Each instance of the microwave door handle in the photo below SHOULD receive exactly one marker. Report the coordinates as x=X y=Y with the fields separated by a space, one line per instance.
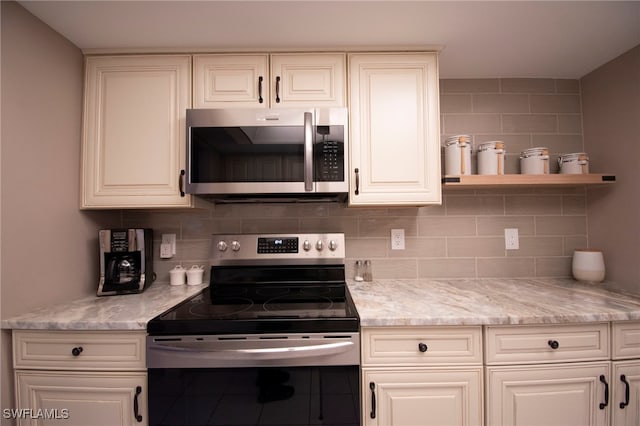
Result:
x=308 y=152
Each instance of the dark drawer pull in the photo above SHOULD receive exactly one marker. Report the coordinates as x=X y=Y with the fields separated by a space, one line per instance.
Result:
x=553 y=344
x=372 y=386
x=136 y=409
x=604 y=404
x=422 y=347
x=76 y=351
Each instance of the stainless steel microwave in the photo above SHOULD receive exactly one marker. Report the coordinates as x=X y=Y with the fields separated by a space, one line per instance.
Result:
x=240 y=154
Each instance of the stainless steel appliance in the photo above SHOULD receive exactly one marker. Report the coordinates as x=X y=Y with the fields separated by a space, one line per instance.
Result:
x=273 y=340
x=284 y=153
x=126 y=260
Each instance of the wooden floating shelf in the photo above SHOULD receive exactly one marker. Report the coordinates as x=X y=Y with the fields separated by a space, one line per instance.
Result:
x=521 y=181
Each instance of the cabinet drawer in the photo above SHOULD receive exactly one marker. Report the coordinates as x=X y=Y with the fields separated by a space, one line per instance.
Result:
x=626 y=339
x=548 y=343
x=78 y=350
x=421 y=345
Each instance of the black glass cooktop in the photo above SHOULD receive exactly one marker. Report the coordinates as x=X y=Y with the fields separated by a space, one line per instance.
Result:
x=261 y=304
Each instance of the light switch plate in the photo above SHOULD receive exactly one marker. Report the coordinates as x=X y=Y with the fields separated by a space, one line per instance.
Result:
x=168 y=246
x=511 y=240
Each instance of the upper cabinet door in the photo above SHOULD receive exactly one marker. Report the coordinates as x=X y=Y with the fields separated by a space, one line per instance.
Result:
x=134 y=131
x=241 y=81
x=229 y=81
x=395 y=129
x=315 y=79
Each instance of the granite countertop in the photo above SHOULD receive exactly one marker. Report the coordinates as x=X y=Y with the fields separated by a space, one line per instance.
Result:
x=122 y=312
x=489 y=301
x=379 y=303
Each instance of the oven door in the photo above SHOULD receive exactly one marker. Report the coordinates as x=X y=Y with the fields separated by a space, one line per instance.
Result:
x=254 y=380
x=263 y=151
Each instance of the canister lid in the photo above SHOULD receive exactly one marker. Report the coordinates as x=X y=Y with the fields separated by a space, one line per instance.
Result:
x=574 y=156
x=491 y=145
x=458 y=139
x=534 y=152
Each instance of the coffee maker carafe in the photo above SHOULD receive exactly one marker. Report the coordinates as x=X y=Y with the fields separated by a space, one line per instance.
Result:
x=126 y=260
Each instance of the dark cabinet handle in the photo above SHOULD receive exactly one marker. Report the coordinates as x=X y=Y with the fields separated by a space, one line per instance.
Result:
x=136 y=414
x=603 y=380
x=278 y=89
x=357 y=181
x=181 y=183
x=372 y=386
x=76 y=351
x=623 y=379
x=553 y=344
x=422 y=347
x=260 y=100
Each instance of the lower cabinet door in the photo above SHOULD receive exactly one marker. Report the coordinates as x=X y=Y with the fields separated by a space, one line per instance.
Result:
x=625 y=402
x=424 y=397
x=81 y=398
x=555 y=395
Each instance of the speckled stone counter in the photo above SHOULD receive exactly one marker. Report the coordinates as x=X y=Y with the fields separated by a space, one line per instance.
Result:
x=123 y=312
x=489 y=301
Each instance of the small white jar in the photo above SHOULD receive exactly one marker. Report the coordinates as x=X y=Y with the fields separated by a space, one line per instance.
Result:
x=588 y=265
x=534 y=161
x=177 y=275
x=576 y=163
x=195 y=275
x=457 y=155
x=491 y=158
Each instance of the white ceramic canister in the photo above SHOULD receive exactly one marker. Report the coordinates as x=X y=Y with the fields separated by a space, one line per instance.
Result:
x=534 y=161
x=491 y=158
x=195 y=275
x=576 y=163
x=457 y=155
x=588 y=265
x=177 y=275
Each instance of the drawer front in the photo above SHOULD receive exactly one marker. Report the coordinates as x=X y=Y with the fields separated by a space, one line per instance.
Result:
x=548 y=343
x=626 y=340
x=421 y=345
x=79 y=350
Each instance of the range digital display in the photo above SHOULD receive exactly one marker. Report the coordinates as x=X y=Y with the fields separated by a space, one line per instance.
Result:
x=277 y=245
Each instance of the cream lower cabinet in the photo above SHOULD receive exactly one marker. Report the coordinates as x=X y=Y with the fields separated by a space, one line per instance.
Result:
x=134 y=131
x=422 y=376
x=625 y=400
x=548 y=375
x=80 y=378
x=394 y=129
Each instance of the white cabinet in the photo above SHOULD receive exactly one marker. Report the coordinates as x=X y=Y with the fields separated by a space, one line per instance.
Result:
x=80 y=377
x=133 y=141
x=548 y=375
x=395 y=130
x=263 y=80
x=428 y=376
x=625 y=400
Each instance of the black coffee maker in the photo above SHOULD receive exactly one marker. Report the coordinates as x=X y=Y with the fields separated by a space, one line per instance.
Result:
x=126 y=260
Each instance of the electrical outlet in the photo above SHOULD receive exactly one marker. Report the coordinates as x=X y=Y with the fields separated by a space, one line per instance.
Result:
x=511 y=241
x=397 y=239
x=168 y=246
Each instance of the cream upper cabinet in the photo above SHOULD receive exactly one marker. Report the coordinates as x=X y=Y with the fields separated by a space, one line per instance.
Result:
x=134 y=131
x=263 y=80
x=625 y=377
x=395 y=130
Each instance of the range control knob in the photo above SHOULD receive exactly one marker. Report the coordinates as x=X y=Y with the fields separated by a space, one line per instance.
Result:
x=319 y=245
x=306 y=245
x=333 y=245
x=235 y=246
x=222 y=246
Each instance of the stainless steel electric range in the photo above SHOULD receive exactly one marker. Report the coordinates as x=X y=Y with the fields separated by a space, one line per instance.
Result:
x=273 y=340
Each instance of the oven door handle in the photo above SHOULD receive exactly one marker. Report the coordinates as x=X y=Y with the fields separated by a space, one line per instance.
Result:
x=256 y=353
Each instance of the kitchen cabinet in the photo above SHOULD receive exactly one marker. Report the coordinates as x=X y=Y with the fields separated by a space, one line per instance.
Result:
x=269 y=80
x=556 y=374
x=422 y=376
x=395 y=130
x=81 y=377
x=133 y=140
x=625 y=398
